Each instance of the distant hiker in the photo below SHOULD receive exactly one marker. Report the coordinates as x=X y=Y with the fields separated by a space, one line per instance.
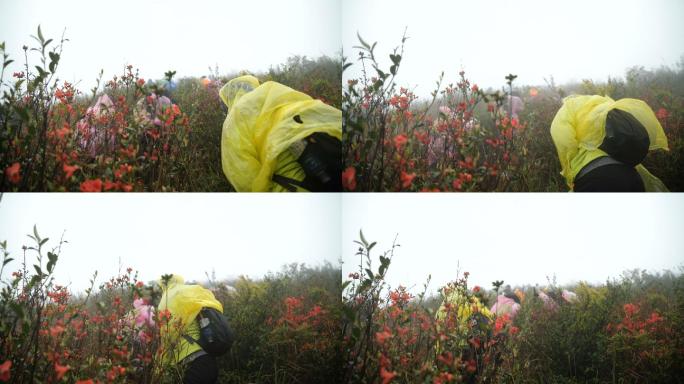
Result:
x=463 y=313
x=278 y=139
x=602 y=142
x=94 y=133
x=505 y=305
x=514 y=105
x=197 y=331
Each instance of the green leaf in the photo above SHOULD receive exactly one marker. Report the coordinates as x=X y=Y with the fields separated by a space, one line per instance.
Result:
x=54 y=60
x=39 y=271
x=346 y=66
x=45 y=44
x=23 y=113
x=365 y=284
x=393 y=70
x=366 y=45
x=345 y=284
x=35 y=230
x=7 y=261
x=372 y=245
x=17 y=309
x=43 y=241
x=363 y=239
x=8 y=62
x=40 y=34
x=52 y=260
x=370 y=273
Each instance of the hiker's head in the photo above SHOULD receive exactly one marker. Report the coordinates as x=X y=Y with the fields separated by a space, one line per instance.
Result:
x=236 y=88
x=626 y=138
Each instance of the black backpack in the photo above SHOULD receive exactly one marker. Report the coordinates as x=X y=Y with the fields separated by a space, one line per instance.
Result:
x=626 y=138
x=216 y=336
x=320 y=155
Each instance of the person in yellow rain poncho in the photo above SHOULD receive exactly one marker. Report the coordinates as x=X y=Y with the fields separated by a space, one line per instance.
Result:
x=602 y=142
x=278 y=139
x=183 y=303
x=460 y=318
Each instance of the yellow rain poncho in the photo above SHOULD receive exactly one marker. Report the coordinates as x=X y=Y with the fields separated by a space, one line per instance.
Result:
x=455 y=313
x=580 y=127
x=184 y=303
x=263 y=122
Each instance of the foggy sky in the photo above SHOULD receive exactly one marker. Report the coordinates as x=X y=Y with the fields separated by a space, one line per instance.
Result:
x=161 y=35
x=534 y=39
x=515 y=237
x=189 y=234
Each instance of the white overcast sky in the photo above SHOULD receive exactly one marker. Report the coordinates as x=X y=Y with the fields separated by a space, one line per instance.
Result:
x=518 y=238
x=187 y=36
x=569 y=40
x=189 y=234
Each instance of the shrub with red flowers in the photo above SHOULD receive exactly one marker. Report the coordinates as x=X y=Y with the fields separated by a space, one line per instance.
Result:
x=50 y=335
x=286 y=326
x=465 y=138
x=130 y=134
x=393 y=336
x=121 y=138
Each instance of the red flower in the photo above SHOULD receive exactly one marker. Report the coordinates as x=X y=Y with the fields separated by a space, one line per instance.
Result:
x=88 y=381
x=61 y=370
x=5 y=370
x=13 y=173
x=471 y=366
x=631 y=309
x=108 y=185
x=56 y=330
x=407 y=179
x=457 y=184
x=662 y=114
x=69 y=170
x=476 y=289
x=94 y=185
x=400 y=140
x=514 y=330
x=141 y=82
x=380 y=337
x=386 y=375
x=349 y=179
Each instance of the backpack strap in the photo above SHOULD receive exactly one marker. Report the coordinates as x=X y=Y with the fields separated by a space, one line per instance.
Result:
x=597 y=163
x=291 y=184
x=189 y=339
